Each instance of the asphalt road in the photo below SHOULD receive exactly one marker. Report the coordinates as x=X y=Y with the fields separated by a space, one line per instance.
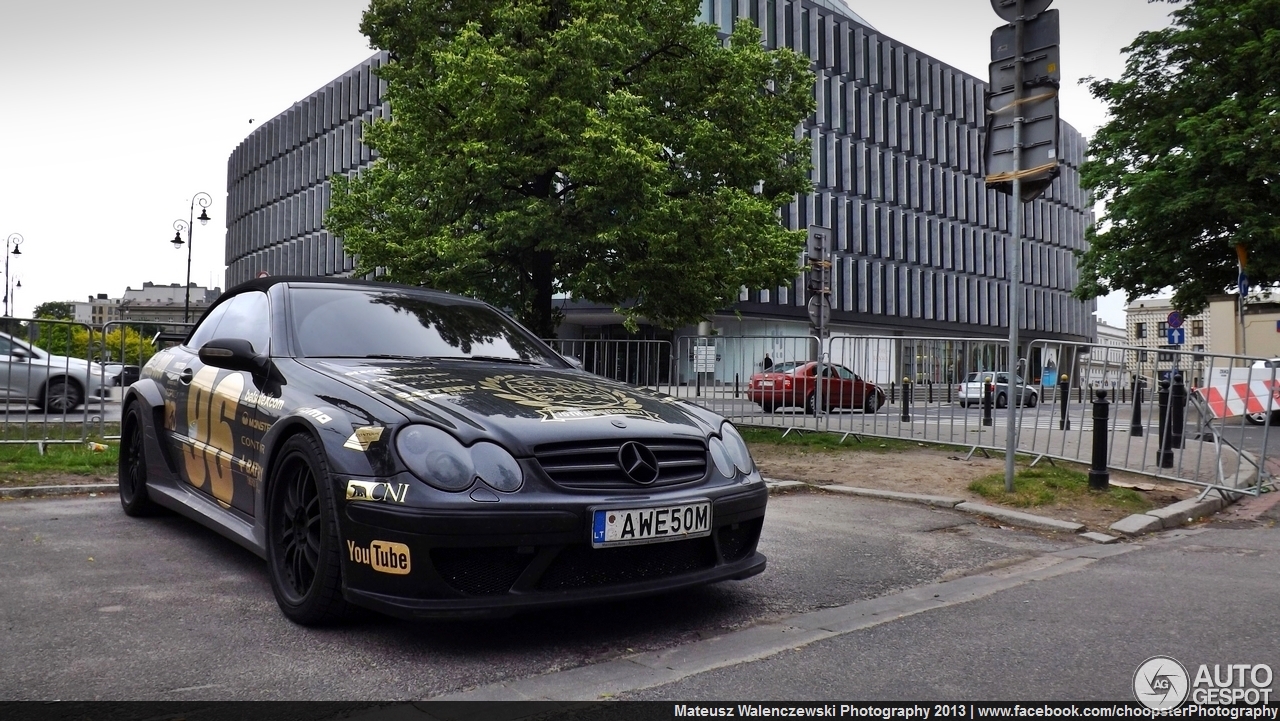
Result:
x=96 y=605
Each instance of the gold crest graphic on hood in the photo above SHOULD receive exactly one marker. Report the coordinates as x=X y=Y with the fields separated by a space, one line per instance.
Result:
x=560 y=399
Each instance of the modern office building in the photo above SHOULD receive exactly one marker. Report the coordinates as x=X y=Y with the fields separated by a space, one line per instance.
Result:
x=897 y=139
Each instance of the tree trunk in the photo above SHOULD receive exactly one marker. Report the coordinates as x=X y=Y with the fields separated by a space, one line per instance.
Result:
x=541 y=316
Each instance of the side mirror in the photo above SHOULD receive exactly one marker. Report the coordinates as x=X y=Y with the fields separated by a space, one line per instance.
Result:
x=235 y=354
x=19 y=355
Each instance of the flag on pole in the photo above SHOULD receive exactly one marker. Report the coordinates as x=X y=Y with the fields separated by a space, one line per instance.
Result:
x=1242 y=280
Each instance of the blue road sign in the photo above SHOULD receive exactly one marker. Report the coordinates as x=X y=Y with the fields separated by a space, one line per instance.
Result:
x=1174 y=320
x=1176 y=336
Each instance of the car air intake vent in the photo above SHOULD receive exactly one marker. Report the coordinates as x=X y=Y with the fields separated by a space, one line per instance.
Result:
x=738 y=540
x=580 y=566
x=480 y=571
x=597 y=465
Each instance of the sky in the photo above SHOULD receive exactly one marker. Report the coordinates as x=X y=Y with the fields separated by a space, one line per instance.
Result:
x=117 y=113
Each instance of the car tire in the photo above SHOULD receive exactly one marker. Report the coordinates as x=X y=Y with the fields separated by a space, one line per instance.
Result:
x=1258 y=419
x=1032 y=400
x=61 y=395
x=132 y=468
x=302 y=535
x=1001 y=401
x=870 y=404
x=767 y=407
x=811 y=403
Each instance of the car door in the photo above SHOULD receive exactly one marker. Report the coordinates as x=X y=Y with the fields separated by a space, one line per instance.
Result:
x=217 y=417
x=843 y=387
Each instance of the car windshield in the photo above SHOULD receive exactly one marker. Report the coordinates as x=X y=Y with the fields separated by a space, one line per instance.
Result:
x=374 y=323
x=787 y=367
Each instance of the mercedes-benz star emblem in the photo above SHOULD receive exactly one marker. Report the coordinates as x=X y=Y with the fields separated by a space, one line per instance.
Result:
x=638 y=462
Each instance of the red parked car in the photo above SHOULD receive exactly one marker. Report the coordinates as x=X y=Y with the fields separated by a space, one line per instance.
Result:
x=795 y=384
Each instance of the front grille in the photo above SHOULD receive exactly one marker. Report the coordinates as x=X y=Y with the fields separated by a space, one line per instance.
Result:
x=581 y=566
x=738 y=540
x=480 y=571
x=593 y=465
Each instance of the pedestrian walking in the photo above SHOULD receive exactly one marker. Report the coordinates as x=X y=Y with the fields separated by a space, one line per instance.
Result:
x=767 y=363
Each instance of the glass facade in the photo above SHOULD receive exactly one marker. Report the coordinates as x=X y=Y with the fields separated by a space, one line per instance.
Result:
x=896 y=140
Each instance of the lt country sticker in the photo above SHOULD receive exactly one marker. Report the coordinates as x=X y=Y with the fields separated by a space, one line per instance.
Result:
x=382 y=556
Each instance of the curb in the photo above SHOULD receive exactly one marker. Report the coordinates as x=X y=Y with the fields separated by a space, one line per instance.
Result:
x=48 y=491
x=1157 y=519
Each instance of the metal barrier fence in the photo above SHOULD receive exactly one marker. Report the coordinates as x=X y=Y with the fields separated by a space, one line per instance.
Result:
x=64 y=379
x=638 y=362
x=50 y=395
x=954 y=391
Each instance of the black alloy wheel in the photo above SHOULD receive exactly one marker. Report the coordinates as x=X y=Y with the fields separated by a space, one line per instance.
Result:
x=869 y=403
x=302 y=536
x=132 y=469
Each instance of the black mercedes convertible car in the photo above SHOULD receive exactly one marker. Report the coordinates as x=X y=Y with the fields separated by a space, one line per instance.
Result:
x=422 y=455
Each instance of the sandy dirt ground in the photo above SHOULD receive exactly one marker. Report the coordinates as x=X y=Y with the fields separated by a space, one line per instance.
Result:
x=944 y=473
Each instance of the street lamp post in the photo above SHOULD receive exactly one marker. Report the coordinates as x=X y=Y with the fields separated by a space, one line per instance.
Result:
x=12 y=242
x=204 y=200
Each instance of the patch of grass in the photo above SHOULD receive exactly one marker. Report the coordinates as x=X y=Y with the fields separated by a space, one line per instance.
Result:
x=1049 y=485
x=826 y=441
x=23 y=465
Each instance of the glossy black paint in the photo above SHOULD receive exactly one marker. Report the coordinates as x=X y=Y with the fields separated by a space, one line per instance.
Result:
x=212 y=428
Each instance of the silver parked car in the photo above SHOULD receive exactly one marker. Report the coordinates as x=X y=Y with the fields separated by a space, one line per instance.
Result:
x=1268 y=370
x=55 y=383
x=970 y=391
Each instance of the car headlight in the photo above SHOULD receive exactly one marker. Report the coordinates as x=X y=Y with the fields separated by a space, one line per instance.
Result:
x=441 y=461
x=720 y=456
x=496 y=466
x=436 y=457
x=737 y=448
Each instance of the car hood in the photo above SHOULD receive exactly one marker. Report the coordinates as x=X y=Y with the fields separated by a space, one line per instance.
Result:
x=531 y=404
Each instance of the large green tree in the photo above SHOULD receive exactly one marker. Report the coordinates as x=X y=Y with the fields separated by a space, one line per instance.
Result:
x=1188 y=163
x=616 y=150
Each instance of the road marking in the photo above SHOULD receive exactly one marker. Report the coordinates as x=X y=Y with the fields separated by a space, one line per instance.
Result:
x=656 y=668
x=194 y=688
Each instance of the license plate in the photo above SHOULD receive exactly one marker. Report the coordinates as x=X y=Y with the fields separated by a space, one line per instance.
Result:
x=629 y=526
x=766 y=384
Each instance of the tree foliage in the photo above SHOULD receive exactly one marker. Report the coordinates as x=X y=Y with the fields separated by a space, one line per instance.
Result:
x=616 y=150
x=1189 y=162
x=60 y=310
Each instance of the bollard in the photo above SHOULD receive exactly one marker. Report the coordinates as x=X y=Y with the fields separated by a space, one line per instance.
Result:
x=893 y=393
x=950 y=387
x=1064 y=392
x=1164 y=453
x=1099 y=476
x=988 y=392
x=1135 y=424
x=735 y=385
x=929 y=388
x=906 y=400
x=1177 y=411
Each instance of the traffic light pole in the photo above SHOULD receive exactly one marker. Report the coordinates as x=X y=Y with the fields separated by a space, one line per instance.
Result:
x=1015 y=254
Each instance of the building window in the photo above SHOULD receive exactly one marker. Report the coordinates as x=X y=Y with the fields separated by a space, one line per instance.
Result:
x=1165 y=356
x=1162 y=329
x=1140 y=331
x=1142 y=355
x=1197 y=328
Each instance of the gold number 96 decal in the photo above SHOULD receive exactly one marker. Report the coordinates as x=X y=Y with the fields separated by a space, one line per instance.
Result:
x=211 y=409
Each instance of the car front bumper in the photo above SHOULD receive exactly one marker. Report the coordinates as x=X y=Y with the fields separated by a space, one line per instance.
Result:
x=493 y=563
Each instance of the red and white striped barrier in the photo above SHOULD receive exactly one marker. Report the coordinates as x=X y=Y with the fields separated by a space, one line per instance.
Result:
x=1237 y=391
